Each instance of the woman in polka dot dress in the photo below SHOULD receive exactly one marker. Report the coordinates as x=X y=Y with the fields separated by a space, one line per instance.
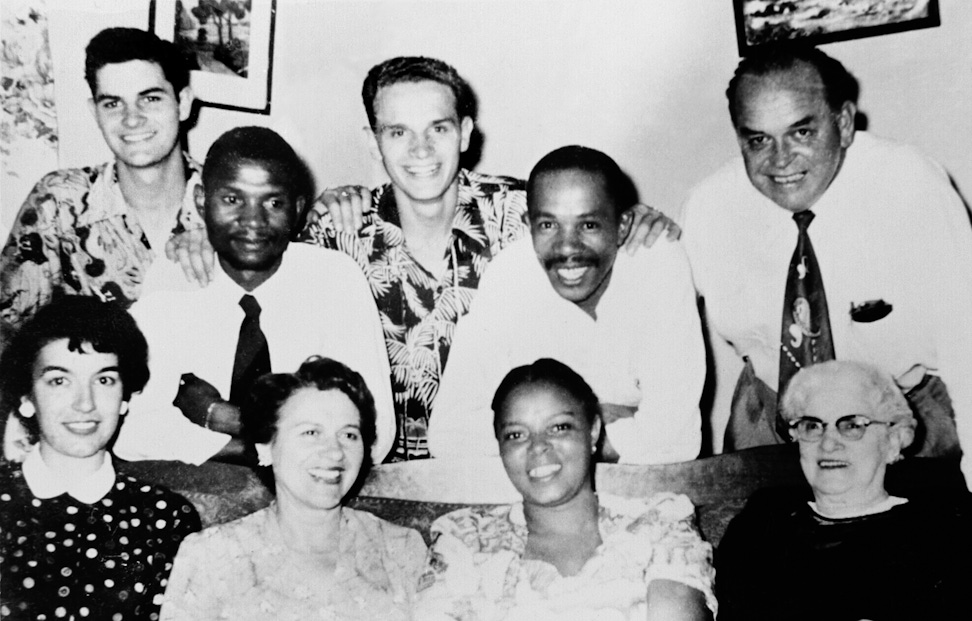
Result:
x=78 y=540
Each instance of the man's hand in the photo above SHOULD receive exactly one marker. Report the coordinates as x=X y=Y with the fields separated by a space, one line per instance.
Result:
x=200 y=402
x=194 y=254
x=611 y=412
x=194 y=398
x=346 y=204
x=647 y=225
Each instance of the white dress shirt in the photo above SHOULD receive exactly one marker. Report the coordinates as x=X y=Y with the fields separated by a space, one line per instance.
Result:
x=890 y=227
x=316 y=303
x=644 y=351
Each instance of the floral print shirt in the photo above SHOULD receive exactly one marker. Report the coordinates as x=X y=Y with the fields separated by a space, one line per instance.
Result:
x=476 y=570
x=418 y=311
x=76 y=235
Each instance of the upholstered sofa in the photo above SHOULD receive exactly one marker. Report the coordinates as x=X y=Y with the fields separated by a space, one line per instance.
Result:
x=414 y=494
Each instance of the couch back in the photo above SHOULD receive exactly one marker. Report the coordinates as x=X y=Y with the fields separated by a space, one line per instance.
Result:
x=413 y=494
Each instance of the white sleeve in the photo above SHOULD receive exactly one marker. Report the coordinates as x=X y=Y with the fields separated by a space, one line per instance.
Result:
x=671 y=368
x=153 y=427
x=369 y=357
x=947 y=288
x=461 y=424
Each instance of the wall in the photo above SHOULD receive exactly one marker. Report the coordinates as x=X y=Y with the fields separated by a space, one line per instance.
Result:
x=642 y=80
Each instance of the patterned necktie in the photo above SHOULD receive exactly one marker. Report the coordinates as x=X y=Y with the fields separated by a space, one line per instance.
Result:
x=806 y=337
x=252 y=352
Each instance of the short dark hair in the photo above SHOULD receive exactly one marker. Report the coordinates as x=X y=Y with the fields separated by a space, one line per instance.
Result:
x=617 y=184
x=839 y=85
x=120 y=45
x=545 y=371
x=259 y=414
x=417 y=69
x=261 y=145
x=82 y=320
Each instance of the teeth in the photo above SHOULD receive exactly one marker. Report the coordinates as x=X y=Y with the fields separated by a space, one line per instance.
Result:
x=788 y=178
x=544 y=471
x=423 y=171
x=81 y=426
x=136 y=137
x=827 y=463
x=330 y=475
x=571 y=273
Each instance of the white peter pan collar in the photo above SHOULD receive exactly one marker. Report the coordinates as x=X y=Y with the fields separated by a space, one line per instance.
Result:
x=44 y=484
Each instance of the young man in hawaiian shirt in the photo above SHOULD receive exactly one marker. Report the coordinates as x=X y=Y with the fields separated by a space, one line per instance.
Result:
x=95 y=230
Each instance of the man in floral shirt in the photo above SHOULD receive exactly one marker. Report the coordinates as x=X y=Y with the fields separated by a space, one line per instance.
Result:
x=431 y=232
x=95 y=230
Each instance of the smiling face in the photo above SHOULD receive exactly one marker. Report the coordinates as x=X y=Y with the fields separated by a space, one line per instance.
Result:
x=249 y=213
x=77 y=396
x=792 y=143
x=576 y=234
x=847 y=474
x=545 y=442
x=139 y=113
x=317 y=450
x=419 y=137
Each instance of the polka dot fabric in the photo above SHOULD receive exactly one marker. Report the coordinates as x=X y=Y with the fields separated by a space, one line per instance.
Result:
x=108 y=561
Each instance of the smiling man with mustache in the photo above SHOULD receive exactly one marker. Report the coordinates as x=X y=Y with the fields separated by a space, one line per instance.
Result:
x=309 y=301
x=628 y=324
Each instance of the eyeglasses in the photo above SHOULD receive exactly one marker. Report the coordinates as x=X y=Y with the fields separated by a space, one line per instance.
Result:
x=851 y=427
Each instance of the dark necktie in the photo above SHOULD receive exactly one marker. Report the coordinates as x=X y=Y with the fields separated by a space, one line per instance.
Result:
x=252 y=353
x=806 y=337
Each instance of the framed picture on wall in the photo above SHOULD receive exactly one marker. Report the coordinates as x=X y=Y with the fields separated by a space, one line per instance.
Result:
x=759 y=22
x=231 y=42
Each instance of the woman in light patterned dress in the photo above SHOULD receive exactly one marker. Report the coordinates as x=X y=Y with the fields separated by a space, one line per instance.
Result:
x=306 y=556
x=564 y=552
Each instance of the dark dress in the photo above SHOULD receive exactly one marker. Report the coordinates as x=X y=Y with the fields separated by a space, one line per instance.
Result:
x=61 y=558
x=781 y=560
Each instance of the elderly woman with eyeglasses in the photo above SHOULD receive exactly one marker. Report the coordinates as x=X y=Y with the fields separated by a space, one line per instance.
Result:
x=849 y=550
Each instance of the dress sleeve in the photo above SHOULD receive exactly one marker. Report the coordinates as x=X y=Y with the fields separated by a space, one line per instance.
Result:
x=676 y=550
x=449 y=586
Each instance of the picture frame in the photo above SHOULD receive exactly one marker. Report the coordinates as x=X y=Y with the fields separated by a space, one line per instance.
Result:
x=759 y=22
x=232 y=43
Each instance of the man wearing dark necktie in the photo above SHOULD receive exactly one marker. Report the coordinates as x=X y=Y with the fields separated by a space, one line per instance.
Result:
x=271 y=305
x=887 y=278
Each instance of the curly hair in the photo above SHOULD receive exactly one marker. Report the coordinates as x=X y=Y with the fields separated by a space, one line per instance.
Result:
x=259 y=417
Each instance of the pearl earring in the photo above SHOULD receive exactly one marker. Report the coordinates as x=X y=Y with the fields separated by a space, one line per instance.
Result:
x=26 y=407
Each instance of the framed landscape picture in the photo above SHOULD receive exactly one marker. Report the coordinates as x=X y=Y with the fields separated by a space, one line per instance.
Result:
x=759 y=22
x=231 y=42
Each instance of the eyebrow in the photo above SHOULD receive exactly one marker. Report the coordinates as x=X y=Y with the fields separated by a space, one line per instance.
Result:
x=383 y=127
x=149 y=91
x=807 y=120
x=54 y=367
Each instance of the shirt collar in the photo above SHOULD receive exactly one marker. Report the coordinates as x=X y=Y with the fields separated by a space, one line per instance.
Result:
x=466 y=216
x=105 y=199
x=44 y=484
